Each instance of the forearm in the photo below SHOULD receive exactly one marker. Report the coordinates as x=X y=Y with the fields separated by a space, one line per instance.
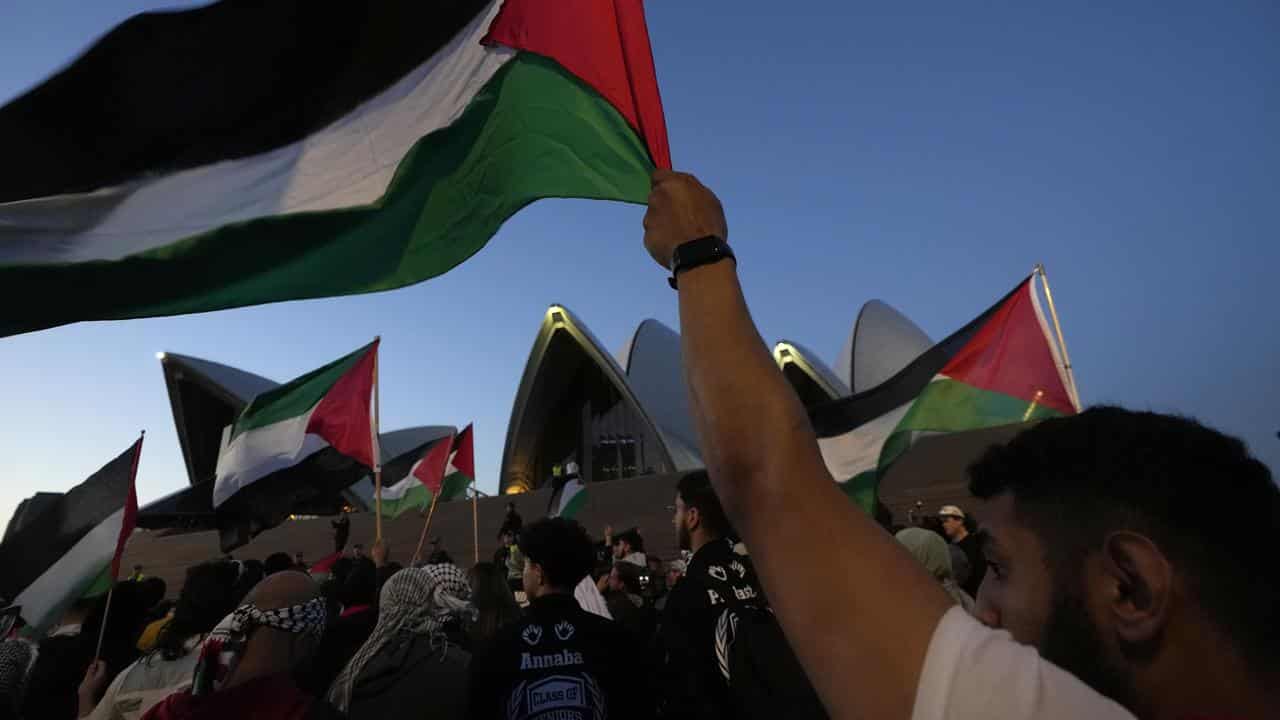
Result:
x=861 y=622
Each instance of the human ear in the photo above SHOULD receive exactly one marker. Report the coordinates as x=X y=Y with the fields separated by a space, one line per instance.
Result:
x=1140 y=585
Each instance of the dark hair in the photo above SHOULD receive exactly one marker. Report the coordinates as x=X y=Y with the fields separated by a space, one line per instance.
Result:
x=494 y=603
x=207 y=596
x=629 y=574
x=632 y=538
x=278 y=562
x=695 y=491
x=361 y=585
x=561 y=547
x=1211 y=508
x=251 y=573
x=440 y=557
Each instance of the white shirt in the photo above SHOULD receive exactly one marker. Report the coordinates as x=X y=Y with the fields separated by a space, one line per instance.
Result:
x=972 y=672
x=590 y=599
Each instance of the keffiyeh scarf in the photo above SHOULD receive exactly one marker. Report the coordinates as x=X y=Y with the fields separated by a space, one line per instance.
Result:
x=222 y=649
x=421 y=601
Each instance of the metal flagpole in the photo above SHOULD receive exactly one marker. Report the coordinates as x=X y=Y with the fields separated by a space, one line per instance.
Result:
x=425 y=527
x=1062 y=341
x=373 y=444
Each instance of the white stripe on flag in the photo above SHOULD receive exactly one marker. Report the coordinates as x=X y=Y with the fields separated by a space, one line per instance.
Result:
x=45 y=599
x=256 y=453
x=858 y=450
x=347 y=164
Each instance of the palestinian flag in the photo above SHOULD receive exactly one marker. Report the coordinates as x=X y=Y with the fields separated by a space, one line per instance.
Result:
x=573 y=497
x=460 y=471
x=327 y=408
x=72 y=550
x=418 y=471
x=1001 y=368
x=244 y=153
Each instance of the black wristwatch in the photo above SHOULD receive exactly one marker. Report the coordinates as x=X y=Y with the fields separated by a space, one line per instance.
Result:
x=696 y=253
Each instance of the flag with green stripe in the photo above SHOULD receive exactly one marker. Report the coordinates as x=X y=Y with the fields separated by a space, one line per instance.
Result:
x=328 y=407
x=418 y=471
x=1001 y=368
x=73 y=548
x=259 y=152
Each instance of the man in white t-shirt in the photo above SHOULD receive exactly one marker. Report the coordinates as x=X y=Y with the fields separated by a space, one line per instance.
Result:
x=1167 y=637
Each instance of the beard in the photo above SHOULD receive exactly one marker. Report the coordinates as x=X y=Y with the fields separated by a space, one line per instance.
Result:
x=1073 y=642
x=684 y=539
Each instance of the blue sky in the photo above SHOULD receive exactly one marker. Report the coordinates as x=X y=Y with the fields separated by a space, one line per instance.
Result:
x=927 y=154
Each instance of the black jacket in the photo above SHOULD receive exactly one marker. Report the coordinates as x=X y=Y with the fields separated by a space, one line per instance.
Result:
x=692 y=685
x=559 y=661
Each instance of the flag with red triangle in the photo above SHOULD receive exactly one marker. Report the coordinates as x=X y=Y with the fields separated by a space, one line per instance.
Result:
x=1001 y=368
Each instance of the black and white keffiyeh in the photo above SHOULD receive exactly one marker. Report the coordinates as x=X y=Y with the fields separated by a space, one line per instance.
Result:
x=221 y=650
x=421 y=601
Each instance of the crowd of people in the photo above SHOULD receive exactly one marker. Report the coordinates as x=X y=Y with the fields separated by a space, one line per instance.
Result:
x=1111 y=576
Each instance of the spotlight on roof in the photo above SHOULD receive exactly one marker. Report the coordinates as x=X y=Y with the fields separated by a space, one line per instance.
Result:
x=160 y=355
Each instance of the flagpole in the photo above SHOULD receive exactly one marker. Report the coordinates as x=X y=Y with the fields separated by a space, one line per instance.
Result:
x=475 y=519
x=102 y=631
x=425 y=527
x=373 y=445
x=1062 y=341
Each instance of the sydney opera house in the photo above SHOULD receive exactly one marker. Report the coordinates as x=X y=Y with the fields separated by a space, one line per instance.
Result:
x=623 y=418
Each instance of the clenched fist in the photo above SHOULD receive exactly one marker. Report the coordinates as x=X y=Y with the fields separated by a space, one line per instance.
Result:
x=680 y=209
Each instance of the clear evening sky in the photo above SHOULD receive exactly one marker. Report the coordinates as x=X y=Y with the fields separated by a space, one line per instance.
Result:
x=928 y=154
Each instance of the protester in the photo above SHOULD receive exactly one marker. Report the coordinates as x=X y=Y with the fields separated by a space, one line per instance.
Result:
x=512 y=523
x=245 y=666
x=675 y=571
x=341 y=531
x=956 y=526
x=558 y=660
x=1107 y=554
x=959 y=561
x=137 y=573
x=208 y=595
x=623 y=597
x=693 y=628
x=358 y=596
x=413 y=658
x=629 y=548
x=515 y=565
x=495 y=606
x=897 y=646
x=930 y=550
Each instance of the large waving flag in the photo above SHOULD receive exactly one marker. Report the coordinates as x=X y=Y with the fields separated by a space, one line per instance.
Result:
x=419 y=475
x=1001 y=368
x=327 y=407
x=244 y=153
x=72 y=550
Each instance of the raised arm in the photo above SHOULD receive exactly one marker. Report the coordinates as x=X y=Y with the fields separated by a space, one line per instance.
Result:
x=860 y=619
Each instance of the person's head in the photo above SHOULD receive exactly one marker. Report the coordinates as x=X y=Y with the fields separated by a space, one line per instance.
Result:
x=508 y=538
x=207 y=595
x=675 y=571
x=137 y=569
x=361 y=584
x=557 y=555
x=491 y=596
x=952 y=520
x=1128 y=547
x=625 y=577
x=699 y=518
x=278 y=642
x=929 y=549
x=655 y=564
x=277 y=562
